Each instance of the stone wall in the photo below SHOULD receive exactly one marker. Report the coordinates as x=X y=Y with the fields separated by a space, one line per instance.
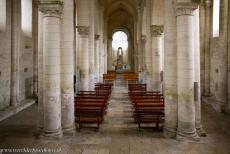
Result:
x=5 y=60
x=24 y=48
x=218 y=61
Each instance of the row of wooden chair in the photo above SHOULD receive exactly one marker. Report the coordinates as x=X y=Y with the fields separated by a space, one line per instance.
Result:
x=130 y=77
x=148 y=106
x=91 y=106
x=109 y=77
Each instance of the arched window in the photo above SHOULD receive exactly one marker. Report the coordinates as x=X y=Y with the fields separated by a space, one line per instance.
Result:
x=26 y=22
x=120 y=50
x=2 y=15
x=120 y=40
x=216 y=18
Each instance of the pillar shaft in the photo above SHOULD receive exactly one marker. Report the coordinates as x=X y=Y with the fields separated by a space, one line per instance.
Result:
x=91 y=7
x=51 y=63
x=83 y=43
x=16 y=28
x=97 y=60
x=207 y=47
x=67 y=68
x=156 y=32
x=101 y=47
x=185 y=72
x=109 y=55
x=170 y=71
x=40 y=73
x=35 y=47
x=148 y=53
x=197 y=92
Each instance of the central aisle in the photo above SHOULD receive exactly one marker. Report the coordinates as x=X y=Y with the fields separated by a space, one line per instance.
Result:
x=120 y=109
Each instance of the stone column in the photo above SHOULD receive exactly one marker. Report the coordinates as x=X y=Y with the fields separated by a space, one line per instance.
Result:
x=97 y=61
x=202 y=45
x=148 y=52
x=131 y=54
x=91 y=11
x=109 y=55
x=185 y=71
x=51 y=61
x=143 y=67
x=228 y=68
x=170 y=70
x=67 y=68
x=197 y=90
x=101 y=47
x=208 y=4
x=83 y=43
x=139 y=37
x=35 y=47
x=16 y=35
x=40 y=73
x=156 y=33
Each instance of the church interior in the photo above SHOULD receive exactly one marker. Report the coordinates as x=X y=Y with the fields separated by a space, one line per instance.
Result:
x=115 y=76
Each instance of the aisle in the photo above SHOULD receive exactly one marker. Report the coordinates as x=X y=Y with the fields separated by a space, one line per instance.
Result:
x=120 y=109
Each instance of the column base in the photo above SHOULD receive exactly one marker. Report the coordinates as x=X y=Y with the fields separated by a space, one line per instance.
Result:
x=70 y=131
x=51 y=135
x=201 y=132
x=39 y=132
x=169 y=133
x=187 y=137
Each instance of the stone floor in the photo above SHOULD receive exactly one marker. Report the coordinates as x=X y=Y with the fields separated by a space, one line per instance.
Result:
x=117 y=135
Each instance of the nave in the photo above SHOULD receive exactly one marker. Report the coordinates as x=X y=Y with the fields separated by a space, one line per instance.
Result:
x=118 y=133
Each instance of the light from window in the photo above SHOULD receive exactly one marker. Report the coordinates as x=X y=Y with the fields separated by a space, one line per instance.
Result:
x=216 y=20
x=26 y=10
x=2 y=15
x=120 y=40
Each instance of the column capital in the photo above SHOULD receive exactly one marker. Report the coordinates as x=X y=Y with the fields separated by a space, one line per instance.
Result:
x=83 y=30
x=185 y=8
x=156 y=30
x=51 y=8
x=96 y=36
x=143 y=38
x=208 y=3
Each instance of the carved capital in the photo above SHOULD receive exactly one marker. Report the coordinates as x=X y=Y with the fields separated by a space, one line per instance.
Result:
x=96 y=36
x=51 y=8
x=83 y=30
x=156 y=30
x=208 y=3
x=185 y=9
x=143 y=38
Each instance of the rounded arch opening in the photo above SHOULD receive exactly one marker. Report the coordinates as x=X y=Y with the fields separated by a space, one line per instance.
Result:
x=120 y=50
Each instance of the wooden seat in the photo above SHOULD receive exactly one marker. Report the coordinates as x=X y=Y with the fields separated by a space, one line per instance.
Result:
x=148 y=106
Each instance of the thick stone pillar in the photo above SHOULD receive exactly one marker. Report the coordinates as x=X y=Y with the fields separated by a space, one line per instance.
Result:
x=131 y=54
x=208 y=4
x=97 y=58
x=139 y=24
x=51 y=61
x=148 y=69
x=35 y=47
x=156 y=33
x=109 y=55
x=91 y=11
x=197 y=90
x=228 y=68
x=185 y=72
x=67 y=68
x=40 y=73
x=83 y=43
x=170 y=70
x=101 y=47
x=16 y=35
